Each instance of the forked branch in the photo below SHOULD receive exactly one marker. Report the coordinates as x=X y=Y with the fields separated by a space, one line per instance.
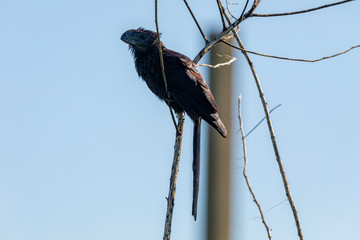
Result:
x=291 y=59
x=244 y=172
x=196 y=22
x=272 y=134
x=209 y=45
x=299 y=12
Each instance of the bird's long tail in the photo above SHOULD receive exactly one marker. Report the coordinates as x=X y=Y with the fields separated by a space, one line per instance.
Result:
x=196 y=165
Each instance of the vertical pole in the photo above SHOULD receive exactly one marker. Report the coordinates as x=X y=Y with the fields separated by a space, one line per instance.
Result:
x=219 y=150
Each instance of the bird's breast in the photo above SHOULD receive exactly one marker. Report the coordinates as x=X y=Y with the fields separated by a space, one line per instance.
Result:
x=149 y=70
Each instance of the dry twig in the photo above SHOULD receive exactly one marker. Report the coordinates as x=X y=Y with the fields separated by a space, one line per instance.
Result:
x=273 y=140
x=173 y=177
x=162 y=67
x=177 y=147
x=230 y=36
x=272 y=134
x=298 y=12
x=253 y=7
x=228 y=9
x=246 y=4
x=231 y=60
x=291 y=59
x=244 y=171
x=197 y=24
x=221 y=14
x=210 y=44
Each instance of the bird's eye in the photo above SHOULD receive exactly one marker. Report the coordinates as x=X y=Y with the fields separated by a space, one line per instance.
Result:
x=142 y=37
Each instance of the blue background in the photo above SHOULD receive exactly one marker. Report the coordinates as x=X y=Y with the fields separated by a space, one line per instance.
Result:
x=86 y=149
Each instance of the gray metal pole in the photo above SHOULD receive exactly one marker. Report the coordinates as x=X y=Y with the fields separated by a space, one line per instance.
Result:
x=219 y=150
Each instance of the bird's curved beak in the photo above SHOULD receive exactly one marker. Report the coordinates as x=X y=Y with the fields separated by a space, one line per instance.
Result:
x=128 y=37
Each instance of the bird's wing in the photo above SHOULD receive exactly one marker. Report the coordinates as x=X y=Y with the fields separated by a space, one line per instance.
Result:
x=188 y=87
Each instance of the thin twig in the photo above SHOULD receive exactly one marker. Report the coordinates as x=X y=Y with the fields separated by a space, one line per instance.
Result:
x=298 y=12
x=272 y=134
x=256 y=217
x=232 y=59
x=243 y=11
x=253 y=7
x=163 y=68
x=177 y=147
x=246 y=135
x=278 y=204
x=244 y=172
x=291 y=59
x=228 y=9
x=160 y=52
x=209 y=45
x=221 y=14
x=273 y=139
x=276 y=150
x=197 y=24
x=173 y=177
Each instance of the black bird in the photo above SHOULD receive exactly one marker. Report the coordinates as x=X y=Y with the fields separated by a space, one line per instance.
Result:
x=188 y=90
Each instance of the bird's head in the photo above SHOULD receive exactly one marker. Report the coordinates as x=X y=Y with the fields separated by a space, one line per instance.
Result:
x=140 y=39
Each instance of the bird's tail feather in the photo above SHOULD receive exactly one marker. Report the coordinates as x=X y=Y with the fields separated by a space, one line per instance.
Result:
x=221 y=128
x=196 y=165
x=216 y=123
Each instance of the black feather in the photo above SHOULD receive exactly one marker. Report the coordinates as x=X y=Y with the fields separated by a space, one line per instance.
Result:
x=196 y=165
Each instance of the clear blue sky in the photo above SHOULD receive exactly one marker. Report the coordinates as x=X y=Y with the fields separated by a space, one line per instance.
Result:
x=86 y=149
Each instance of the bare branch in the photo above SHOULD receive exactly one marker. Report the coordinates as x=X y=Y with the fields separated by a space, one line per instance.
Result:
x=232 y=59
x=253 y=7
x=272 y=134
x=173 y=177
x=209 y=45
x=221 y=14
x=244 y=172
x=177 y=148
x=292 y=59
x=197 y=24
x=162 y=67
x=273 y=139
x=228 y=9
x=246 y=4
x=298 y=12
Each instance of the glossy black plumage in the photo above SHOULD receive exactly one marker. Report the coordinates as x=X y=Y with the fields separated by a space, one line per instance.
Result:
x=188 y=90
